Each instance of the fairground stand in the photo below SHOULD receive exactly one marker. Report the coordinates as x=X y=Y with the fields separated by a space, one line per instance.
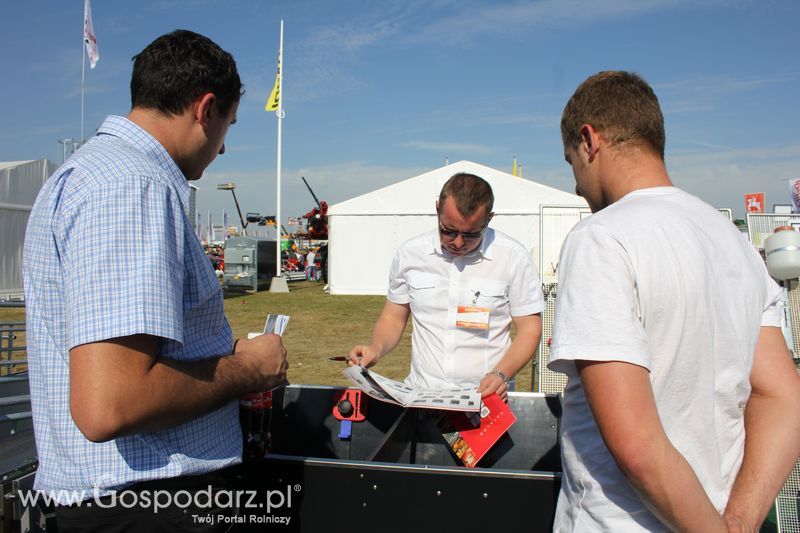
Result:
x=392 y=471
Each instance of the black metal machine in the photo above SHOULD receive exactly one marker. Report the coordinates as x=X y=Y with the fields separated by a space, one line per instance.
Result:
x=339 y=461
x=18 y=461
x=393 y=471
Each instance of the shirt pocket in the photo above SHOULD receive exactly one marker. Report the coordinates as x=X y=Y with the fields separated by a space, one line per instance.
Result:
x=483 y=292
x=203 y=306
x=422 y=286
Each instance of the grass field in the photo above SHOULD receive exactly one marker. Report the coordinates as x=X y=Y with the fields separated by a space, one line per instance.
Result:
x=321 y=325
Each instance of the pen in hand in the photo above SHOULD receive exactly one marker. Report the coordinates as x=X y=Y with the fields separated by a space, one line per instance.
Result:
x=341 y=358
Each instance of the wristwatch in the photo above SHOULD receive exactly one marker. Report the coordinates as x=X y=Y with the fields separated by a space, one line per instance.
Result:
x=501 y=374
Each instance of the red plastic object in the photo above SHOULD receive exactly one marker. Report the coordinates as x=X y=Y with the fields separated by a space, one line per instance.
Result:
x=358 y=402
x=257 y=400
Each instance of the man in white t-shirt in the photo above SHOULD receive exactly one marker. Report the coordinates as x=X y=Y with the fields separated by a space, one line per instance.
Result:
x=463 y=285
x=667 y=325
x=311 y=266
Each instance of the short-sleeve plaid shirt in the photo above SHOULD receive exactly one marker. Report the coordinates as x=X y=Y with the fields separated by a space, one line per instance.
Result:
x=109 y=252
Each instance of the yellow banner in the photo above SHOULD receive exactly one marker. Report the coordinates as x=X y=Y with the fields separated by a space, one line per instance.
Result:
x=275 y=95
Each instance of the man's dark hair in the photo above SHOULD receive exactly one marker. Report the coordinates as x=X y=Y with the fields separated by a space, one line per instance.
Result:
x=621 y=106
x=469 y=192
x=177 y=68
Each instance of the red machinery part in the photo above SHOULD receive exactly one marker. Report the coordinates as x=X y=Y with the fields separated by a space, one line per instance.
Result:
x=350 y=404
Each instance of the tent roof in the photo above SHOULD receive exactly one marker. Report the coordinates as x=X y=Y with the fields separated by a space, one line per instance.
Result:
x=417 y=195
x=10 y=164
x=20 y=181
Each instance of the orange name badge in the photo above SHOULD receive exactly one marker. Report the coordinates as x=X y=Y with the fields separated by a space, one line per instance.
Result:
x=469 y=317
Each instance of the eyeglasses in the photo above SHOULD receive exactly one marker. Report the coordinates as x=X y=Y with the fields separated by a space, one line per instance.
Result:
x=466 y=235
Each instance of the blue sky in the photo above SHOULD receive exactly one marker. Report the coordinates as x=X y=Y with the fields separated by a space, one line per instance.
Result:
x=379 y=91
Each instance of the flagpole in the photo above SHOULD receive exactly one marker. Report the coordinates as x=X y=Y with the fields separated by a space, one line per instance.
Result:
x=83 y=68
x=278 y=173
x=88 y=48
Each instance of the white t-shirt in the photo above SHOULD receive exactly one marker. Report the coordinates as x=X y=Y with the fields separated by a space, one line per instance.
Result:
x=662 y=280
x=498 y=278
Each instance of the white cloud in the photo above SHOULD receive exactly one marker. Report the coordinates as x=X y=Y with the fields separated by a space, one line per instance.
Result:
x=476 y=21
x=723 y=177
x=717 y=155
x=690 y=95
x=325 y=62
x=495 y=110
x=449 y=147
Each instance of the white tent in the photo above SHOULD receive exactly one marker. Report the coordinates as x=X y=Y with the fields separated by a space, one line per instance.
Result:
x=364 y=231
x=20 y=182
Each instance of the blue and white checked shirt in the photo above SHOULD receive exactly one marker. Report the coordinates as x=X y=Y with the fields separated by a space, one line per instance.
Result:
x=109 y=252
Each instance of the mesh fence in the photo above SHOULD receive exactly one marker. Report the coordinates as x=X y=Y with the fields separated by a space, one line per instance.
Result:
x=554 y=224
x=788 y=500
x=548 y=381
x=762 y=225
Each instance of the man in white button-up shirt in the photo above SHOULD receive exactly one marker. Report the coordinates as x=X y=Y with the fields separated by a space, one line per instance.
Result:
x=463 y=285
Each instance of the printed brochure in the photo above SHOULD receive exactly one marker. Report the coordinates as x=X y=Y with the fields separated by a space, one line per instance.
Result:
x=472 y=435
x=388 y=390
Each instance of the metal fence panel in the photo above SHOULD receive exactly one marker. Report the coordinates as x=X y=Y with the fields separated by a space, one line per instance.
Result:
x=555 y=222
x=762 y=225
x=548 y=381
x=759 y=227
x=788 y=500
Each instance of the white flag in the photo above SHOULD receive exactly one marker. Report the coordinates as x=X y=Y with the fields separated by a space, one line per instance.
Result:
x=88 y=35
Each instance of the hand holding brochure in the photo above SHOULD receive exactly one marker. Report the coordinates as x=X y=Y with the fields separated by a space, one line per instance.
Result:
x=470 y=436
x=276 y=324
x=388 y=390
x=263 y=400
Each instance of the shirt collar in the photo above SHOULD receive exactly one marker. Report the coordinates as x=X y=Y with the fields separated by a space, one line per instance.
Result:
x=484 y=250
x=145 y=143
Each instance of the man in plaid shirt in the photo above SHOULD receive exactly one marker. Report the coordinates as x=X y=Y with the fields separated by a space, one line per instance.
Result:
x=134 y=373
